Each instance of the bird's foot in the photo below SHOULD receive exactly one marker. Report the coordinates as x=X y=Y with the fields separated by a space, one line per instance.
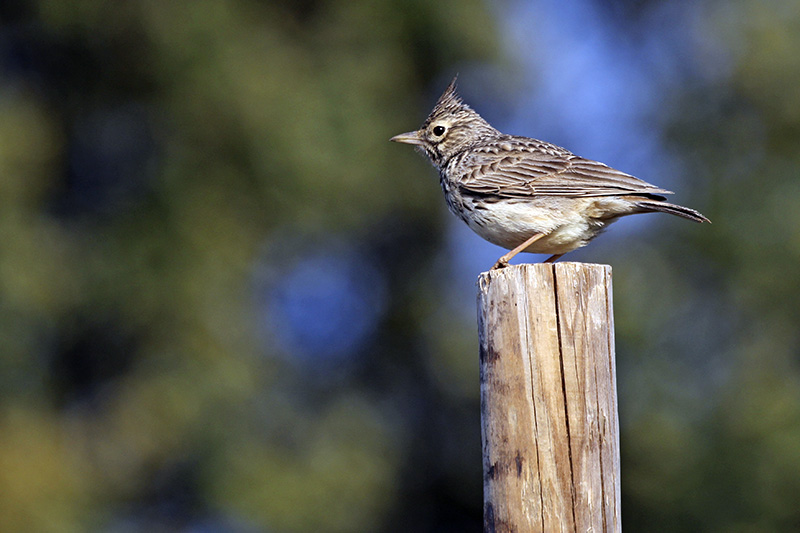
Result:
x=501 y=263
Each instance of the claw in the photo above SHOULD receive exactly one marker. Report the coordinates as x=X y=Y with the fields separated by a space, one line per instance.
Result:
x=500 y=264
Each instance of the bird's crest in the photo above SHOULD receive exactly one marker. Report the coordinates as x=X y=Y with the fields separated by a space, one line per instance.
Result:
x=450 y=103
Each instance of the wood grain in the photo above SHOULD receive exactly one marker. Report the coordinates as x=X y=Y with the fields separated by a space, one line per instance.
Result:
x=548 y=399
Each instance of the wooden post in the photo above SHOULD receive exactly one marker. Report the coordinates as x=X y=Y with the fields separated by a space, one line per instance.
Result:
x=548 y=399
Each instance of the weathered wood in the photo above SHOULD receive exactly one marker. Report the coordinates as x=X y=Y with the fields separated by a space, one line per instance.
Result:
x=548 y=399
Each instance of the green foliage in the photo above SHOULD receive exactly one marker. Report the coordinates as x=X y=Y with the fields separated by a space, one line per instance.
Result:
x=261 y=117
x=715 y=447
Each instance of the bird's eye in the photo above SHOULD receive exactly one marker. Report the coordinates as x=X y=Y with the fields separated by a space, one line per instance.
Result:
x=438 y=131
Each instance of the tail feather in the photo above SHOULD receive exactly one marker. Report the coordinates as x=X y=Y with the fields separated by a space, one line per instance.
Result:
x=672 y=209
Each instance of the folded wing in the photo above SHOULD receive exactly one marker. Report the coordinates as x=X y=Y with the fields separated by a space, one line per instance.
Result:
x=524 y=167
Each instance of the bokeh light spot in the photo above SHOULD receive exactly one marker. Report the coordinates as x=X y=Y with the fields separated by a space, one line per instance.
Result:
x=324 y=306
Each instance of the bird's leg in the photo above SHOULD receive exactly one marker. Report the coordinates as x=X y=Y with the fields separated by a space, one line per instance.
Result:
x=553 y=258
x=503 y=261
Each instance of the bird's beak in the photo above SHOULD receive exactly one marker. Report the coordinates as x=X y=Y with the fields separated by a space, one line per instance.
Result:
x=412 y=137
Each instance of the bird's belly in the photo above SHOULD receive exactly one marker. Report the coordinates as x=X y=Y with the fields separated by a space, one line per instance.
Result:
x=561 y=220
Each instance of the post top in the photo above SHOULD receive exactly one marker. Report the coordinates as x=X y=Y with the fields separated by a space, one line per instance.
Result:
x=542 y=269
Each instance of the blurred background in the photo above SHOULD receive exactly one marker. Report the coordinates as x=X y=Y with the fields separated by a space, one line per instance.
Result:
x=229 y=304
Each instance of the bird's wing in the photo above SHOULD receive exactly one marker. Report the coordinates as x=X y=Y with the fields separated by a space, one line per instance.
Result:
x=533 y=168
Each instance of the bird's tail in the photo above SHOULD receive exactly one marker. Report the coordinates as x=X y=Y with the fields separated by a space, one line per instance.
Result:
x=672 y=209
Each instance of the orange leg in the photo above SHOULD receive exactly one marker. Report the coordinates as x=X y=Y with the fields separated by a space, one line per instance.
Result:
x=503 y=261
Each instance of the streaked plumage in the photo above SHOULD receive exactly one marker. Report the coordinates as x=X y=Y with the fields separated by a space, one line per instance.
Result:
x=525 y=194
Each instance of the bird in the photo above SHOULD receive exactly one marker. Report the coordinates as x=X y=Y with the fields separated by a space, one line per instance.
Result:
x=524 y=194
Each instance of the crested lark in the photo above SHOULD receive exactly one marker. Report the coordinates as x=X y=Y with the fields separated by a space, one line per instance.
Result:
x=524 y=194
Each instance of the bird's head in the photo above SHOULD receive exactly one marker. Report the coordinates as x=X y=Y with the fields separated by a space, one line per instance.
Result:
x=452 y=127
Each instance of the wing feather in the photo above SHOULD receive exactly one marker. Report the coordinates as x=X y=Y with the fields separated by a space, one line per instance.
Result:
x=521 y=167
